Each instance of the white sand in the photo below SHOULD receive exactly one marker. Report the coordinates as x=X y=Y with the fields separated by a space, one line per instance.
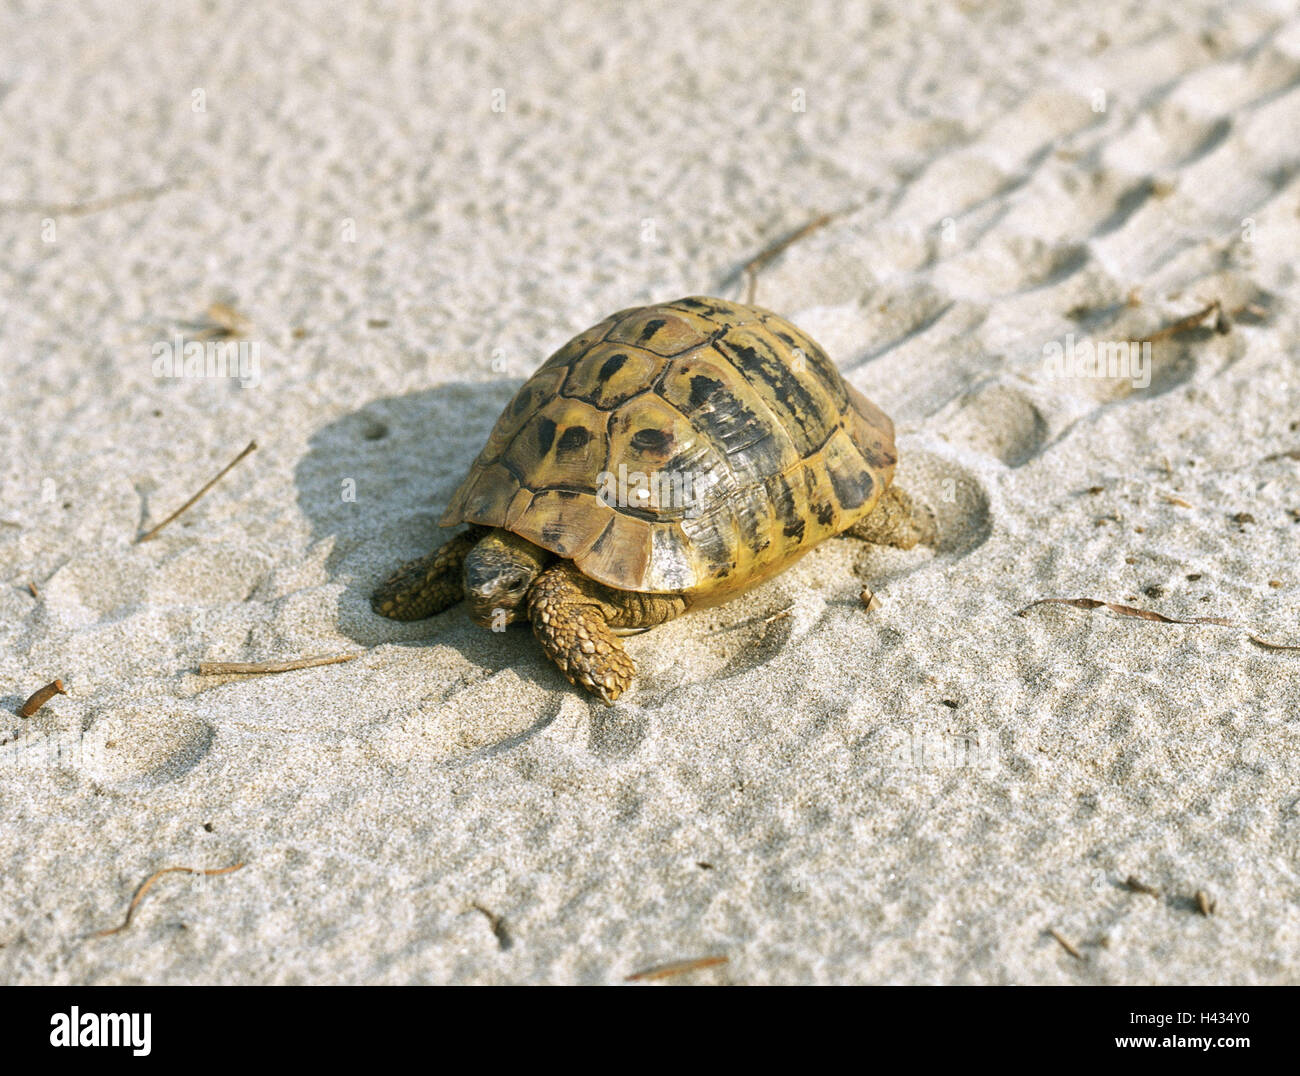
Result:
x=915 y=794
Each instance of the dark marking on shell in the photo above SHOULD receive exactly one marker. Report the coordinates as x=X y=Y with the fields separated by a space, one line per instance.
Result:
x=545 y=434
x=702 y=388
x=611 y=366
x=851 y=489
x=751 y=519
x=803 y=417
x=730 y=425
x=711 y=536
x=574 y=439
x=785 y=509
x=654 y=442
x=650 y=328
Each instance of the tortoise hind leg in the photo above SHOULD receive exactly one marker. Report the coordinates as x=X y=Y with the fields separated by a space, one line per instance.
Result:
x=421 y=588
x=896 y=520
x=571 y=619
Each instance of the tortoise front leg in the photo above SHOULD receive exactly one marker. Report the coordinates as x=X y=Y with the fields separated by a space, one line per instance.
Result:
x=570 y=620
x=420 y=588
x=896 y=520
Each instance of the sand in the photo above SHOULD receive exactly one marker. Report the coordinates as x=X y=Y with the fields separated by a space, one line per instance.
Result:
x=411 y=207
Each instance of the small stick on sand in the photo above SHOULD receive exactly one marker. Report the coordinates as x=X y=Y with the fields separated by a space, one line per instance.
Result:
x=1265 y=644
x=252 y=445
x=678 y=967
x=94 y=205
x=1141 y=887
x=223 y=668
x=1146 y=614
x=497 y=924
x=779 y=614
x=32 y=587
x=1127 y=610
x=1204 y=904
x=869 y=601
x=144 y=888
x=40 y=698
x=226 y=322
x=1182 y=325
x=750 y=269
x=1064 y=944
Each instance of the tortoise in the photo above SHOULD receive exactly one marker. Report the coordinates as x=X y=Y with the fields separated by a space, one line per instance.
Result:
x=667 y=458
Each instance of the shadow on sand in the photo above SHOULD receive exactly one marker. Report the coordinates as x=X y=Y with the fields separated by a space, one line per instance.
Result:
x=373 y=484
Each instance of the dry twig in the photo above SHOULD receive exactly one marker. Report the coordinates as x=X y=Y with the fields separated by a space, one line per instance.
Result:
x=93 y=205
x=751 y=268
x=497 y=924
x=40 y=698
x=226 y=322
x=222 y=668
x=1192 y=321
x=677 y=967
x=1147 y=614
x=1064 y=944
x=1127 y=610
x=252 y=445
x=1138 y=886
x=1266 y=645
x=148 y=882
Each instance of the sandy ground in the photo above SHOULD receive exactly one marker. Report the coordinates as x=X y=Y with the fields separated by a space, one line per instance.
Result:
x=412 y=206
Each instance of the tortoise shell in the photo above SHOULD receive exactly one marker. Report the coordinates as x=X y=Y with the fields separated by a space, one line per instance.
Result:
x=749 y=446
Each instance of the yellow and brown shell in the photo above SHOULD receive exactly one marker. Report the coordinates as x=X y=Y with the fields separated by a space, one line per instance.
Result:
x=749 y=446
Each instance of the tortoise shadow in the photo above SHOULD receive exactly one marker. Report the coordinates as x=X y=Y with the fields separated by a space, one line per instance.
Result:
x=373 y=483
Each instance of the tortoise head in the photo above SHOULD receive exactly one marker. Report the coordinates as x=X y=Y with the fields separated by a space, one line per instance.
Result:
x=498 y=572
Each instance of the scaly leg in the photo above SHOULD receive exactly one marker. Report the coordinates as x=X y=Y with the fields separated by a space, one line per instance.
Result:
x=569 y=615
x=429 y=585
